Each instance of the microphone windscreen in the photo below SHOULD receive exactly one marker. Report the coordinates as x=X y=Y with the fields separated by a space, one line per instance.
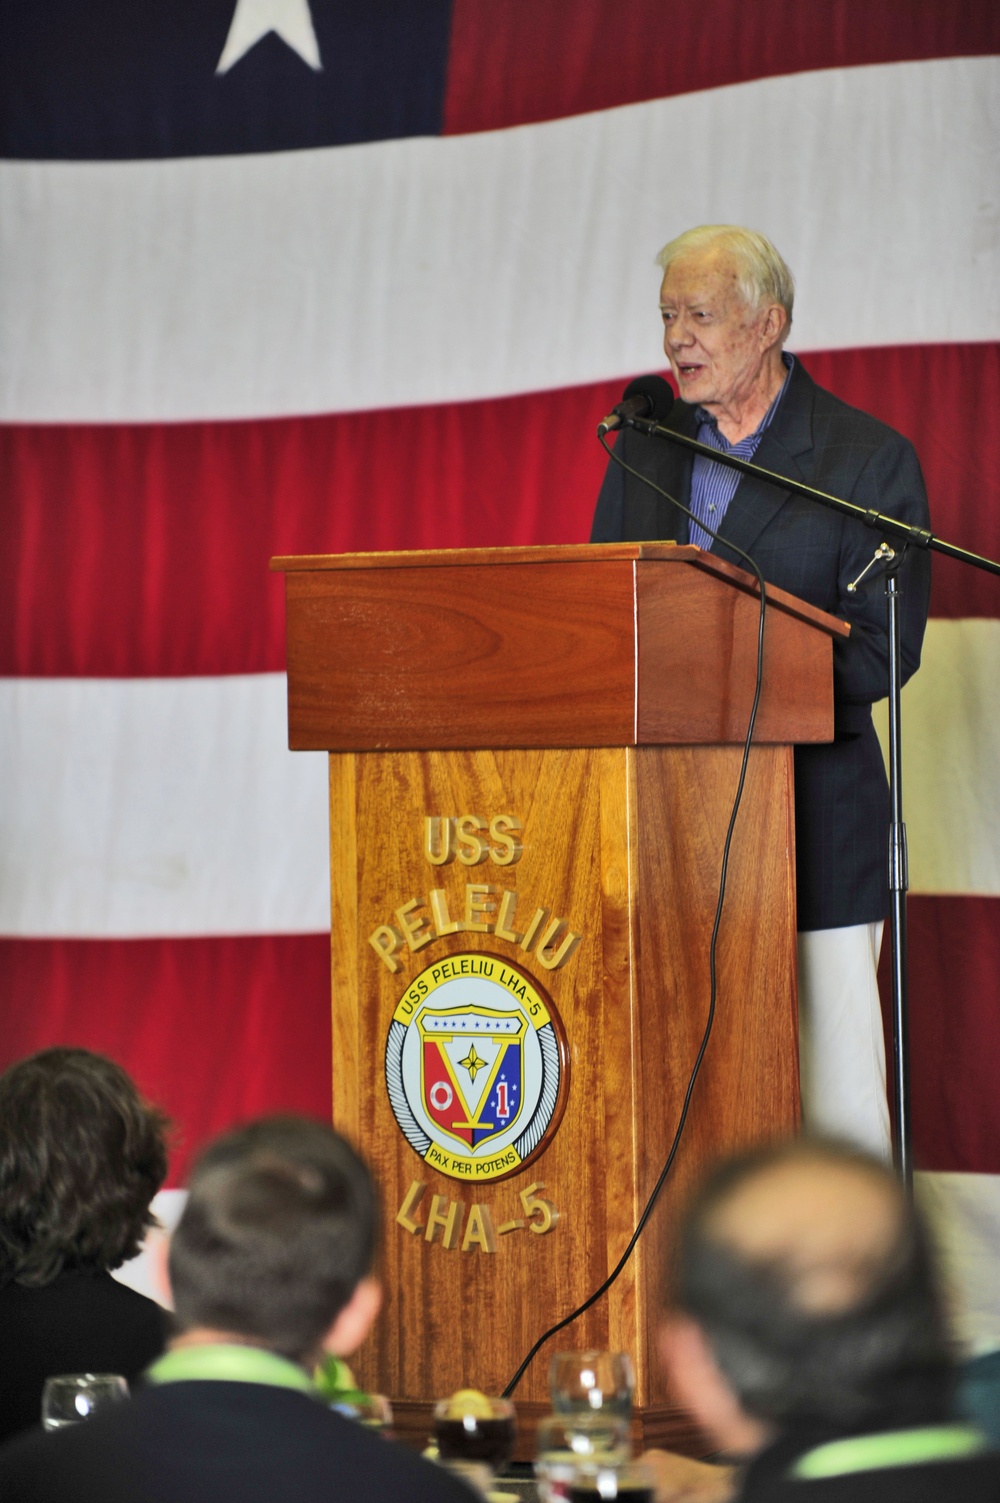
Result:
x=657 y=390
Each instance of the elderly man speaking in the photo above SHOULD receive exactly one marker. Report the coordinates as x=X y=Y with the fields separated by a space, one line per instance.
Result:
x=726 y=302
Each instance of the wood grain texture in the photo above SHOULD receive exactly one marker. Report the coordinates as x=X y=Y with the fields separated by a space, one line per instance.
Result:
x=445 y=1296
x=344 y=980
x=464 y=657
x=586 y=553
x=698 y=663
x=502 y=652
x=519 y=682
x=624 y=843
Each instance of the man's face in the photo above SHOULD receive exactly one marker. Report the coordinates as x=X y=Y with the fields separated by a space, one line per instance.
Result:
x=716 y=345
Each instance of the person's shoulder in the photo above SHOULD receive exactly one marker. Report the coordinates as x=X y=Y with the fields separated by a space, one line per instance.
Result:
x=105 y=1460
x=90 y=1296
x=130 y=1320
x=170 y=1441
x=387 y=1465
x=836 y=419
x=126 y=1298
x=316 y=1440
x=974 y=1479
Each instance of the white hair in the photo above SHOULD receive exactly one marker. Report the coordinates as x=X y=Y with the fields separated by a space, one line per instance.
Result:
x=762 y=275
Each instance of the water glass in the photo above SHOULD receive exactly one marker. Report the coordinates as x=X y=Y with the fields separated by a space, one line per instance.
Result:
x=69 y=1398
x=595 y=1481
x=590 y=1381
x=564 y=1442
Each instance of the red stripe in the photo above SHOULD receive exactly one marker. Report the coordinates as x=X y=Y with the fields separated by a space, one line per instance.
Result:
x=215 y=1030
x=518 y=61
x=219 y=1030
x=946 y=398
x=954 y=961
x=143 y=550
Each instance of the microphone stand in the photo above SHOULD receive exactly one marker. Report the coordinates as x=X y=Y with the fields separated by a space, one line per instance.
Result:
x=906 y=536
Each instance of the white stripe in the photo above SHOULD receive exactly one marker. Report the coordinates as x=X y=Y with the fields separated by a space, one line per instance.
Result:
x=964 y=1213
x=179 y=810
x=158 y=807
x=145 y=1272
x=436 y=270
x=951 y=756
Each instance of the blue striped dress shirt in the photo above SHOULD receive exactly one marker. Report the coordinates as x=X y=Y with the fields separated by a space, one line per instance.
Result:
x=713 y=485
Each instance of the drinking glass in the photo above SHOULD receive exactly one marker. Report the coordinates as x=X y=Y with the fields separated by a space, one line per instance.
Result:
x=475 y=1435
x=563 y=1442
x=584 y=1382
x=597 y=1479
x=69 y=1398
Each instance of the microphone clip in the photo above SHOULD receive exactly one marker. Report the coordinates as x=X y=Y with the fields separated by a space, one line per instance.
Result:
x=883 y=555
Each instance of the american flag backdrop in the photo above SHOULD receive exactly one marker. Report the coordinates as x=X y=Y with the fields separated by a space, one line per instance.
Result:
x=285 y=276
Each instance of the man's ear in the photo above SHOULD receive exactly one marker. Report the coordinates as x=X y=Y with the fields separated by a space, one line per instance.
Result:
x=696 y=1380
x=355 y=1320
x=686 y=1358
x=773 y=326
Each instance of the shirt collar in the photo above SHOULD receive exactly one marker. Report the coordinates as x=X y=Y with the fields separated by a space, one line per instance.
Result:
x=788 y=360
x=893 y=1448
x=229 y=1363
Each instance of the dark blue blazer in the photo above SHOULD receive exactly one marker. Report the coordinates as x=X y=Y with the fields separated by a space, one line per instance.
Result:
x=841 y=793
x=83 y=1321
x=212 y=1442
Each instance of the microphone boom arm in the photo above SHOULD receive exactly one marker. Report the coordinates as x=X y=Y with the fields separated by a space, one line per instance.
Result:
x=921 y=537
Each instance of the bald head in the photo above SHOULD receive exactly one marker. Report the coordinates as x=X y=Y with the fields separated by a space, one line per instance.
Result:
x=828 y=1225
x=809 y=1273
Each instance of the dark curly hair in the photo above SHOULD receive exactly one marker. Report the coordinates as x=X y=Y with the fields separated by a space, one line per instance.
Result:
x=81 y=1157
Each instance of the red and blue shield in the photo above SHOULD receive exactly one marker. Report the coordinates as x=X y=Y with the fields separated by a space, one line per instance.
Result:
x=471 y=1070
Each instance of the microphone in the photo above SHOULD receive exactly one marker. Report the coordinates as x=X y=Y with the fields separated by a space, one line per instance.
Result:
x=645 y=397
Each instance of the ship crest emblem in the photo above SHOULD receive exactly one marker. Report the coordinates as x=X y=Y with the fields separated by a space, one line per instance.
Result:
x=474 y=1066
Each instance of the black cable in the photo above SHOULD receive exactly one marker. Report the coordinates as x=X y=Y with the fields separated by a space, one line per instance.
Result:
x=696 y=1068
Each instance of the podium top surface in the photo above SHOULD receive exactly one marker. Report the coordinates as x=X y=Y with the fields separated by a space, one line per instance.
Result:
x=593 y=644
x=561 y=553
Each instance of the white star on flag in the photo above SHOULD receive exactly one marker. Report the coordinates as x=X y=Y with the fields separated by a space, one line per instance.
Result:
x=291 y=20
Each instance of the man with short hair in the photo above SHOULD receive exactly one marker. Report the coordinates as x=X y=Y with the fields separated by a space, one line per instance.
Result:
x=807 y=1336
x=269 y=1268
x=726 y=302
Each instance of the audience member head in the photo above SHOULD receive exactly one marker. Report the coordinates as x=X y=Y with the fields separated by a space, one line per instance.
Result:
x=81 y=1157
x=806 y=1298
x=276 y=1241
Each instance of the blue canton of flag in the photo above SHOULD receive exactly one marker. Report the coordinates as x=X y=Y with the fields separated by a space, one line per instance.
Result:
x=110 y=80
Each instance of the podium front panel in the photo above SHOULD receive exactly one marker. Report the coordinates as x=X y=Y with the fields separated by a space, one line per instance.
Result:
x=621 y=846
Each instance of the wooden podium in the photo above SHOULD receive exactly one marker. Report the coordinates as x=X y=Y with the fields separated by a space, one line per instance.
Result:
x=533 y=758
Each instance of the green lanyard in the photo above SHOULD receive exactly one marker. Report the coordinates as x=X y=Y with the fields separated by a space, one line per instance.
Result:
x=229 y=1363
x=872 y=1453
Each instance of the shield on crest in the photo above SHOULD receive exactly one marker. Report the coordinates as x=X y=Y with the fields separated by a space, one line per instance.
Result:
x=474 y=1066
x=471 y=1070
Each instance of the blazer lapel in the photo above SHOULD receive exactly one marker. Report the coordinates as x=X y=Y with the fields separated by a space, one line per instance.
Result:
x=675 y=476
x=785 y=448
x=642 y=517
